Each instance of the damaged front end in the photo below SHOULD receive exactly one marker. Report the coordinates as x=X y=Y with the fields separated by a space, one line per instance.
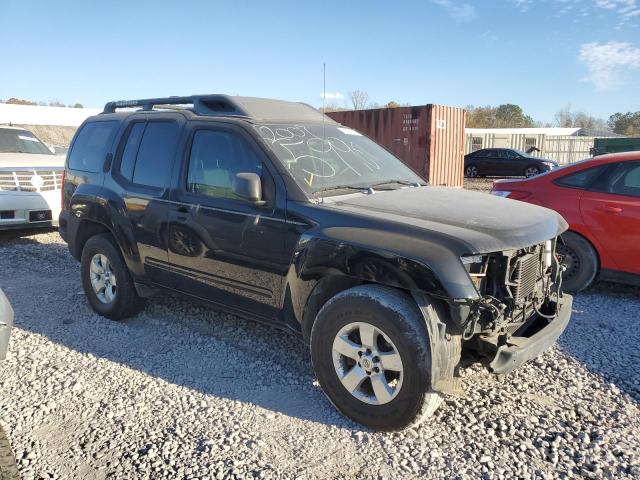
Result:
x=521 y=310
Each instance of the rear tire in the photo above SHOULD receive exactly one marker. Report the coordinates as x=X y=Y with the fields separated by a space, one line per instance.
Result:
x=581 y=261
x=471 y=171
x=102 y=264
x=398 y=327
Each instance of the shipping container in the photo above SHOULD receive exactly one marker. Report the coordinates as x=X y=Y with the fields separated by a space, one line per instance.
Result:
x=429 y=139
x=615 y=145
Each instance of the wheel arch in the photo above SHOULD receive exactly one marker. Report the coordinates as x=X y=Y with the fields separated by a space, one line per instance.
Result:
x=95 y=210
x=323 y=268
x=590 y=242
x=86 y=229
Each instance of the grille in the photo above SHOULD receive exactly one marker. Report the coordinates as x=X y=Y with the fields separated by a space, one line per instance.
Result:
x=30 y=180
x=525 y=275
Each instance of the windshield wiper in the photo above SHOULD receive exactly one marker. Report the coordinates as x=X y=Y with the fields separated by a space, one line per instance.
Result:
x=399 y=182
x=339 y=187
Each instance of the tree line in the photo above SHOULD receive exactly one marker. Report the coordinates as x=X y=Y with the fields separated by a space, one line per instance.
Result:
x=510 y=115
x=50 y=103
x=507 y=115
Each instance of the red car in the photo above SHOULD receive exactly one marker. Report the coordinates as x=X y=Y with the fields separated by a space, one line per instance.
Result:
x=600 y=199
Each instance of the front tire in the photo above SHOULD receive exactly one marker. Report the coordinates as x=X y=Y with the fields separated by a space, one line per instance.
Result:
x=371 y=353
x=580 y=259
x=531 y=171
x=106 y=280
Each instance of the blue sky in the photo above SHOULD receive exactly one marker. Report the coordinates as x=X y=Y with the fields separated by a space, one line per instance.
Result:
x=541 y=54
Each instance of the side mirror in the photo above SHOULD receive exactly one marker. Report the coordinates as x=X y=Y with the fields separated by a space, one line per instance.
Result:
x=249 y=187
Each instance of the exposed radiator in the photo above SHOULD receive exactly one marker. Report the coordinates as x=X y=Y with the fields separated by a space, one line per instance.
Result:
x=525 y=275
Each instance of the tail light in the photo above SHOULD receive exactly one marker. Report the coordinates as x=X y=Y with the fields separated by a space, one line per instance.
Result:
x=512 y=194
x=64 y=175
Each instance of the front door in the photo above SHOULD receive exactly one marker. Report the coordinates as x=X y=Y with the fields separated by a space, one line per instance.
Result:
x=611 y=210
x=224 y=248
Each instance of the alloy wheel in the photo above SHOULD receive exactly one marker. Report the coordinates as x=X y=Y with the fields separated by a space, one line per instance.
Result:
x=102 y=278
x=367 y=363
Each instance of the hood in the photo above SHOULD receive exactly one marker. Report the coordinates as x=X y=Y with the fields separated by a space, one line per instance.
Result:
x=481 y=222
x=27 y=160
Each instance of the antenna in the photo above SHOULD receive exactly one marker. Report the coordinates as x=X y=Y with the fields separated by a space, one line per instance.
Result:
x=324 y=139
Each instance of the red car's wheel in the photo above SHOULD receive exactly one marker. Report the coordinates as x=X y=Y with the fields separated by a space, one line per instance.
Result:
x=580 y=260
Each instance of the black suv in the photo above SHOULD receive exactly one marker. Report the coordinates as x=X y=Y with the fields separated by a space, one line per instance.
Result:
x=272 y=211
x=505 y=162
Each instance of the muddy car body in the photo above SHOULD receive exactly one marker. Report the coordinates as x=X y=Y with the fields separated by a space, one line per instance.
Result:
x=270 y=211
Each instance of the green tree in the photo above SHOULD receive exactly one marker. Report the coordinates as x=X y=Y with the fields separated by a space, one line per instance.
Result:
x=78 y=105
x=625 y=123
x=19 y=101
x=509 y=115
x=503 y=116
x=392 y=104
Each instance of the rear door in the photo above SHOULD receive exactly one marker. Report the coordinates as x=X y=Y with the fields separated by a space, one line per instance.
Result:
x=611 y=210
x=494 y=162
x=141 y=177
x=223 y=248
x=513 y=163
x=481 y=160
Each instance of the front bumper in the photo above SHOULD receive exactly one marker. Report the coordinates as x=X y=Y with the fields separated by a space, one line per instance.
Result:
x=22 y=209
x=520 y=349
x=6 y=323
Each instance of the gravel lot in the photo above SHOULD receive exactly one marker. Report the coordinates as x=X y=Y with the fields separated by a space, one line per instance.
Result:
x=182 y=391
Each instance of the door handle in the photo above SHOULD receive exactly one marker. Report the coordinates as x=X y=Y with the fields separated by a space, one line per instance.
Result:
x=610 y=209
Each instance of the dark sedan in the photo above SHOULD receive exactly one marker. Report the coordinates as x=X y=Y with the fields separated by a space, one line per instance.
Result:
x=504 y=162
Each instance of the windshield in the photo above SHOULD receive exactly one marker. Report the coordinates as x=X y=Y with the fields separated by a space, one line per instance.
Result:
x=345 y=159
x=21 y=141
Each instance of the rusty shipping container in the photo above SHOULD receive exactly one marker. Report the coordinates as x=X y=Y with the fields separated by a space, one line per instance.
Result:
x=429 y=138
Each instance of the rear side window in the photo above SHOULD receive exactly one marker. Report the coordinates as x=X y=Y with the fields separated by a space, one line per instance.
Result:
x=91 y=146
x=130 y=151
x=148 y=153
x=624 y=179
x=582 y=179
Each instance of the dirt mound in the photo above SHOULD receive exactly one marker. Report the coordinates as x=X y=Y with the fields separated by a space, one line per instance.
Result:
x=52 y=134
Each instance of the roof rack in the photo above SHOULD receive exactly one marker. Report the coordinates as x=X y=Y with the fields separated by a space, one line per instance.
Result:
x=202 y=104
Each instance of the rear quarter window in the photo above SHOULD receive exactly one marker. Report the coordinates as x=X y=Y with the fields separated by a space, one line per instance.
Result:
x=91 y=146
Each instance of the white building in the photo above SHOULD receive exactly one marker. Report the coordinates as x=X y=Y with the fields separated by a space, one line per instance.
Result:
x=564 y=145
x=41 y=115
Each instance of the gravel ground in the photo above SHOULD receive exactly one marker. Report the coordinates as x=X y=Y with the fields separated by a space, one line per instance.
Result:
x=483 y=184
x=182 y=391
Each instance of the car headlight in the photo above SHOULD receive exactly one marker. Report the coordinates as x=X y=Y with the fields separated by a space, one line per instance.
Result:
x=473 y=263
x=500 y=193
x=549 y=164
x=475 y=266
